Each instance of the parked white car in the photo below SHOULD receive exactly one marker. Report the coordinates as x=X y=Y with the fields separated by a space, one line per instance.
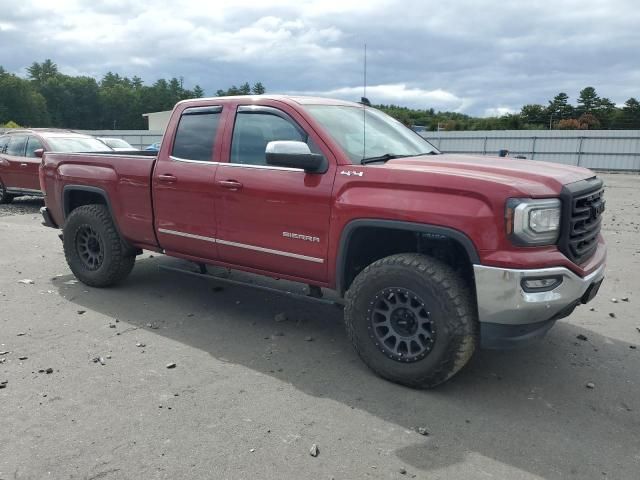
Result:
x=117 y=144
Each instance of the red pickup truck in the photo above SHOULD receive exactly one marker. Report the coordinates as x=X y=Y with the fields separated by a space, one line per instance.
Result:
x=20 y=153
x=434 y=254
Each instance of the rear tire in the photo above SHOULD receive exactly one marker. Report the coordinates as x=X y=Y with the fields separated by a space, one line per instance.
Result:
x=412 y=320
x=4 y=196
x=94 y=249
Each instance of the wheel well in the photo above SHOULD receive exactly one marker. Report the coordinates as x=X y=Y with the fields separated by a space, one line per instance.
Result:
x=368 y=244
x=77 y=198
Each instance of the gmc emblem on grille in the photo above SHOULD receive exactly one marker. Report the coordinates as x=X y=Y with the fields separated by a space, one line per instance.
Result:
x=597 y=209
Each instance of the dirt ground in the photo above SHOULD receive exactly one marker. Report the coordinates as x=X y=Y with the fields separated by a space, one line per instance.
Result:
x=249 y=396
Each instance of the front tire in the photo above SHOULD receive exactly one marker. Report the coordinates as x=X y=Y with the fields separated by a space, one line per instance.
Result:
x=94 y=249
x=411 y=319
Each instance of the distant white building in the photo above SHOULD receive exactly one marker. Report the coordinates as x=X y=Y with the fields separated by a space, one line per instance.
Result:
x=157 y=121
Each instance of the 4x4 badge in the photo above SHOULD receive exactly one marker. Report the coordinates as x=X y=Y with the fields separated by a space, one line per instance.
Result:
x=348 y=173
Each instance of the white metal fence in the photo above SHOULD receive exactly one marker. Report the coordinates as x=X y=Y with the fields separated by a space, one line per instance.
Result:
x=597 y=149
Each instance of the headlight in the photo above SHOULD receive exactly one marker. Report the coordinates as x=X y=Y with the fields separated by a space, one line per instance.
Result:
x=533 y=222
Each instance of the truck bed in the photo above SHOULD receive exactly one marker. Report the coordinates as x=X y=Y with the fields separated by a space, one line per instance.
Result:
x=122 y=178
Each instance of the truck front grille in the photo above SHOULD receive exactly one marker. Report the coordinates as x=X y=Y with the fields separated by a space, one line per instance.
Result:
x=583 y=206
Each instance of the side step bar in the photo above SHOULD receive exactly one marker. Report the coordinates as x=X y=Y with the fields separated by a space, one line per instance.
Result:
x=286 y=293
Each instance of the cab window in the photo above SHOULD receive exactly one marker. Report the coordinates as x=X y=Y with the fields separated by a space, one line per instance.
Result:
x=252 y=132
x=4 y=140
x=196 y=134
x=16 y=145
x=33 y=144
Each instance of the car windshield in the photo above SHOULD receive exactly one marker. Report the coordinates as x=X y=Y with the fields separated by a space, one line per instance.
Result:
x=366 y=133
x=116 y=143
x=76 y=144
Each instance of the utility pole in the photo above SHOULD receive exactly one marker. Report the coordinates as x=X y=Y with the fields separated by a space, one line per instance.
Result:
x=550 y=121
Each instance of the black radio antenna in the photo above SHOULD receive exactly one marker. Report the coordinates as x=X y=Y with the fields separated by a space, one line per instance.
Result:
x=365 y=101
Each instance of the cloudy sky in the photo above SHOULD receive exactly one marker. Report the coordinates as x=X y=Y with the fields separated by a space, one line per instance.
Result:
x=472 y=56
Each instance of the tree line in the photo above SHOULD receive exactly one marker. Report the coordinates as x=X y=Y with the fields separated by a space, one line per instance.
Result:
x=48 y=98
x=590 y=112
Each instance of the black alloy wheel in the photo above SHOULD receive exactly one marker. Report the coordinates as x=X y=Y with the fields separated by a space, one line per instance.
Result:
x=400 y=325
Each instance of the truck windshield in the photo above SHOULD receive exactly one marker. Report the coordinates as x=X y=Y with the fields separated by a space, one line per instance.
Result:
x=376 y=137
x=76 y=144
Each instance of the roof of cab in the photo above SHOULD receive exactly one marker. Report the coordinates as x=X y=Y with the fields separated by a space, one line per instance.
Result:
x=48 y=132
x=299 y=99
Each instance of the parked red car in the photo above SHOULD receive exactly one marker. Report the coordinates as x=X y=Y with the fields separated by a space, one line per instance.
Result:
x=21 y=152
x=435 y=255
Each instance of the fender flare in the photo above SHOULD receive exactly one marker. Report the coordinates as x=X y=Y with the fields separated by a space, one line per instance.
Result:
x=69 y=189
x=348 y=231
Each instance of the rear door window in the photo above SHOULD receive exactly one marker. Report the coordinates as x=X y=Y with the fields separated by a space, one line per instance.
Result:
x=196 y=134
x=17 y=145
x=33 y=144
x=4 y=140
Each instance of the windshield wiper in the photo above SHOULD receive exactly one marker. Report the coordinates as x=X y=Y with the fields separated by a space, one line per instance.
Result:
x=391 y=156
x=381 y=158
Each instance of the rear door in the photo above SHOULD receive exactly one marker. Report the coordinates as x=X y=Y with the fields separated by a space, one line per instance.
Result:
x=271 y=218
x=14 y=155
x=183 y=184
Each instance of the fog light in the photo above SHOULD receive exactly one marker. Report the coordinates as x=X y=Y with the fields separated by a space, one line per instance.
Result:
x=542 y=284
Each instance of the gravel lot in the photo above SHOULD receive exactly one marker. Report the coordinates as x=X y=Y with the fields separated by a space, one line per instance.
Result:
x=249 y=396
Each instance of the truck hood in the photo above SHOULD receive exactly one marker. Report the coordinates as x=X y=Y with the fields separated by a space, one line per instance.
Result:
x=528 y=176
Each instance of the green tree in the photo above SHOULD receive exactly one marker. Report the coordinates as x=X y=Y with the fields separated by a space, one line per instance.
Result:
x=534 y=114
x=258 y=89
x=136 y=82
x=631 y=114
x=72 y=102
x=245 y=89
x=21 y=102
x=605 y=111
x=558 y=108
x=588 y=100
x=198 y=92
x=41 y=72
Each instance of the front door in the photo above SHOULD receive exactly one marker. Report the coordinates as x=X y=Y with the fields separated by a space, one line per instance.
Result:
x=30 y=165
x=183 y=185
x=270 y=218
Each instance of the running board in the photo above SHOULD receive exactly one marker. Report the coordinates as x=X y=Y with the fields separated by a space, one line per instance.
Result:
x=299 y=296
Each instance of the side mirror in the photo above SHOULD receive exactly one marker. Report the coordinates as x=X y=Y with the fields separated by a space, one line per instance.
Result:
x=291 y=154
x=39 y=152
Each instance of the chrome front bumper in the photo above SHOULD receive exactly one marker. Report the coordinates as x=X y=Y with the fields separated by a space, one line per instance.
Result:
x=502 y=299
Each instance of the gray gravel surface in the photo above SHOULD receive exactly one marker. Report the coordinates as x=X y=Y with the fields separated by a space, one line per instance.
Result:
x=22 y=206
x=249 y=396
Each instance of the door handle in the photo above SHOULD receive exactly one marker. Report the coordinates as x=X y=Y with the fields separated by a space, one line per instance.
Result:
x=24 y=164
x=166 y=178
x=230 y=184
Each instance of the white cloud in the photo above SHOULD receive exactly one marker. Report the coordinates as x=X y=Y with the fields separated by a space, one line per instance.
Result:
x=499 y=111
x=472 y=56
x=398 y=94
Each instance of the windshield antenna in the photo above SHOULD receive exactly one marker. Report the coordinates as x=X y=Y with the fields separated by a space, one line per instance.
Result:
x=365 y=101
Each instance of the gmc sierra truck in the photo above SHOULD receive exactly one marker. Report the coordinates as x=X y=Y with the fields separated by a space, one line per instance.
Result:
x=434 y=255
